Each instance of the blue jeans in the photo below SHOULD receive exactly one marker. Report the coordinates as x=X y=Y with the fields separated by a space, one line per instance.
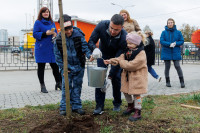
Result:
x=75 y=87
x=152 y=72
x=116 y=86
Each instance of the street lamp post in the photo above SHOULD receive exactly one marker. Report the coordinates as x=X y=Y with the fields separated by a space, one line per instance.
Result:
x=122 y=6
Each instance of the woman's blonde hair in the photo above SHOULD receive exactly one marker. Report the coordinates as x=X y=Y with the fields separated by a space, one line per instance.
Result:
x=149 y=32
x=128 y=16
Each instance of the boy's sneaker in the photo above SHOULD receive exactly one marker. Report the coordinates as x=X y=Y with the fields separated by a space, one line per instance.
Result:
x=98 y=111
x=63 y=112
x=79 y=111
x=159 y=78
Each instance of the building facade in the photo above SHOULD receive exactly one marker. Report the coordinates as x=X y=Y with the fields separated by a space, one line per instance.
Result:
x=13 y=41
x=3 y=37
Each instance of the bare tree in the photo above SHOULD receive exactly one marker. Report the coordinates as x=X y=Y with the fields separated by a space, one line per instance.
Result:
x=187 y=31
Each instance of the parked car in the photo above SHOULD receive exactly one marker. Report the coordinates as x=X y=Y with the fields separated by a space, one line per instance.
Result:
x=15 y=50
x=189 y=47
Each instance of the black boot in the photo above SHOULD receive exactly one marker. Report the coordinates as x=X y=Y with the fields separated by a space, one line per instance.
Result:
x=182 y=82
x=58 y=86
x=168 y=82
x=43 y=88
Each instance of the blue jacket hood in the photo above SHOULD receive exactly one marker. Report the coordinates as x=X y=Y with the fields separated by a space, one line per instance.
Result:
x=170 y=29
x=77 y=32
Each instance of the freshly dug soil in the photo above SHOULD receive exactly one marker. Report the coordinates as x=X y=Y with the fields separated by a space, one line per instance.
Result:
x=84 y=124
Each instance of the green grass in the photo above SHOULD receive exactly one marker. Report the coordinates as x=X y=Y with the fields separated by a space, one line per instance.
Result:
x=12 y=114
x=148 y=103
x=46 y=107
x=106 y=129
x=159 y=114
x=189 y=98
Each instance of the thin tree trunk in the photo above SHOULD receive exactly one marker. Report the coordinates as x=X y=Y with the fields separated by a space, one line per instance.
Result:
x=68 y=109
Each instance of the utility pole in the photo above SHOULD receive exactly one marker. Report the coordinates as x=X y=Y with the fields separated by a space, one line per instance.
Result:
x=65 y=67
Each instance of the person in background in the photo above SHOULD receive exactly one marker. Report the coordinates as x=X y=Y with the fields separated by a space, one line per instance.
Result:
x=150 y=53
x=77 y=49
x=44 y=30
x=134 y=77
x=112 y=44
x=130 y=25
x=171 y=39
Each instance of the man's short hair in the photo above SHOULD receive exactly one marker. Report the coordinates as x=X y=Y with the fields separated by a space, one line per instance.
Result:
x=117 y=19
x=67 y=21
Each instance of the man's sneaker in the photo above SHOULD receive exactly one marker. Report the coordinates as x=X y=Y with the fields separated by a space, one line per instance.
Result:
x=98 y=111
x=79 y=111
x=159 y=78
x=116 y=108
x=63 y=112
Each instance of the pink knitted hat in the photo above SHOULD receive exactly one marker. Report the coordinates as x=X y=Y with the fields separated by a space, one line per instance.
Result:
x=134 y=38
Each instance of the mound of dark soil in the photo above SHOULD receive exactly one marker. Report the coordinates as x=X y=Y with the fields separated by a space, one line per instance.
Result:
x=80 y=124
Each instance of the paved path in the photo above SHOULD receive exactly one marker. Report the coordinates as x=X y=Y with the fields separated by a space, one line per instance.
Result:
x=20 y=88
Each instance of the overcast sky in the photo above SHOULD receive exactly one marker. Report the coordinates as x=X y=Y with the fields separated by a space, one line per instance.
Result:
x=14 y=13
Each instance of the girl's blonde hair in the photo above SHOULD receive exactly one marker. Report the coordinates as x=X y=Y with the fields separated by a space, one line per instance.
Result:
x=144 y=40
x=128 y=16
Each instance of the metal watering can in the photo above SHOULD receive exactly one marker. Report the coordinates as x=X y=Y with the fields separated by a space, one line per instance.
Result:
x=96 y=75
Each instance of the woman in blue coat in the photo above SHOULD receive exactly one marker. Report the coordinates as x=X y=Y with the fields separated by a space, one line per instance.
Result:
x=171 y=39
x=44 y=30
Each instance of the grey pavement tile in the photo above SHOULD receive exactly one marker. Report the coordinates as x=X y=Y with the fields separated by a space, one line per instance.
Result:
x=29 y=93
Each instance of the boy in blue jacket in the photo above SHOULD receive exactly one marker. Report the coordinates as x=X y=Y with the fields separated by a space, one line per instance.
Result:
x=77 y=48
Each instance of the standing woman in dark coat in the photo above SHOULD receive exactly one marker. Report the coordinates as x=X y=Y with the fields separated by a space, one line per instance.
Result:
x=150 y=53
x=44 y=30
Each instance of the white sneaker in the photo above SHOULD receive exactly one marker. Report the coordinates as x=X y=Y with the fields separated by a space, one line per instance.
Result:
x=159 y=78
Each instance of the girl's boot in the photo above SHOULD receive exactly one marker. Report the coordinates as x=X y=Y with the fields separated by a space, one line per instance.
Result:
x=136 y=116
x=129 y=109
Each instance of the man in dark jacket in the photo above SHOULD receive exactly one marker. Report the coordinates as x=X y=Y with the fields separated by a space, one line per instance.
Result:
x=112 y=43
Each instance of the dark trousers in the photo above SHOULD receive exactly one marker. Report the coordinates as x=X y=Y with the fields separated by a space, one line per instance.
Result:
x=116 y=86
x=55 y=69
x=176 y=65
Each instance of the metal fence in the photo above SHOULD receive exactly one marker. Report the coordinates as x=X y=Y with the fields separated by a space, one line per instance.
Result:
x=189 y=54
x=19 y=57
